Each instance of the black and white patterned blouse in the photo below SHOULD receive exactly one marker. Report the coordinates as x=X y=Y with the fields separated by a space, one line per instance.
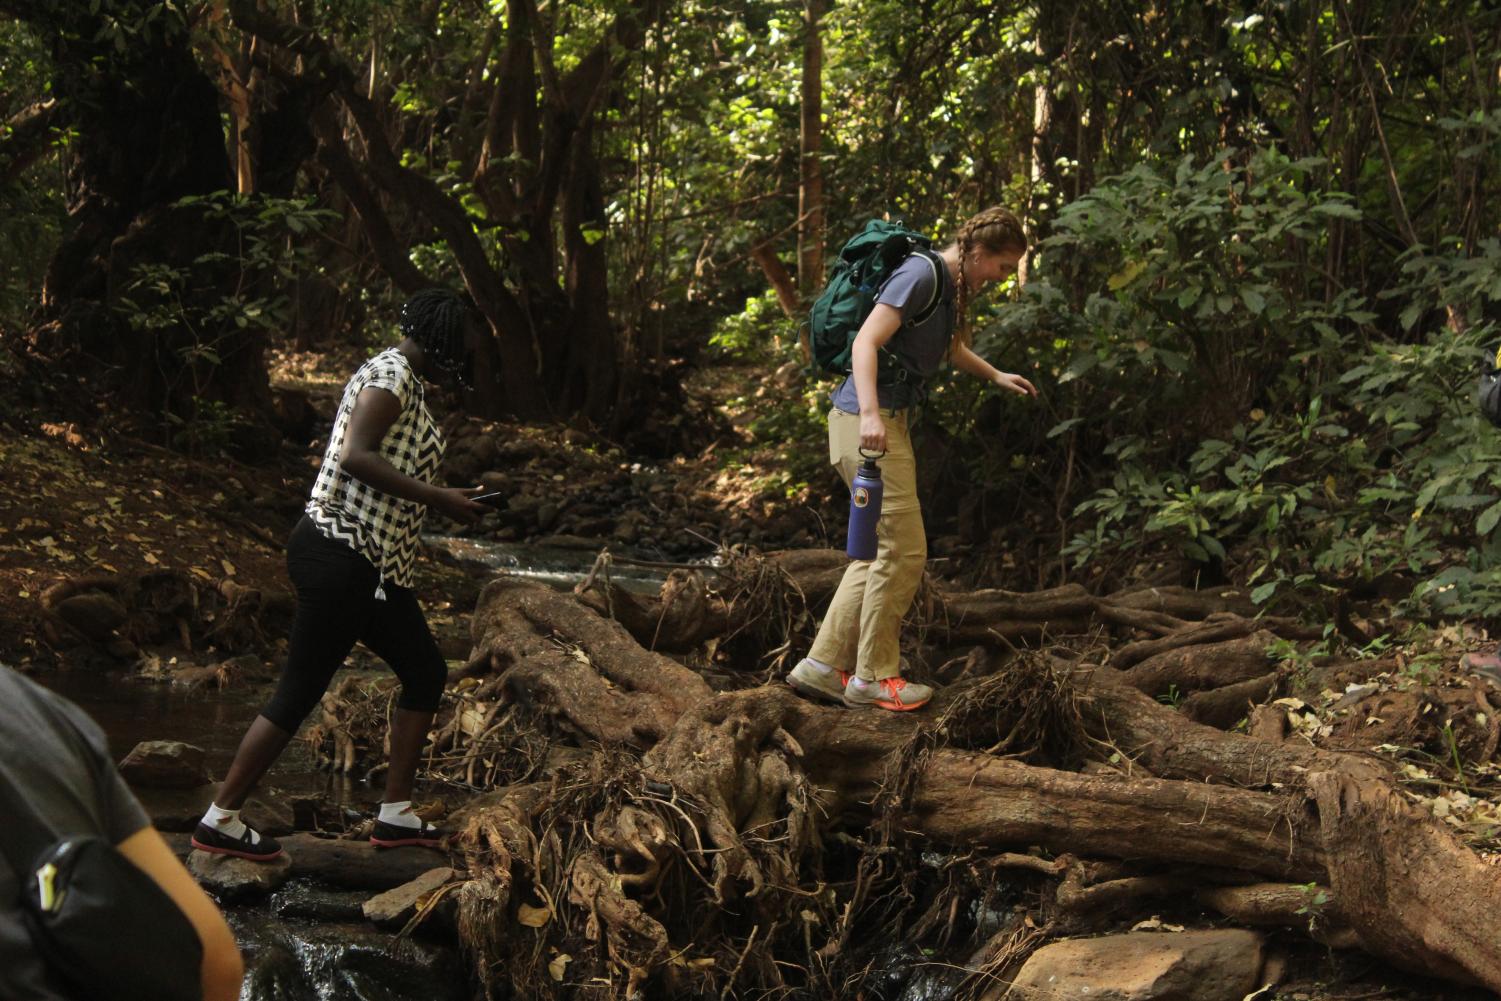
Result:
x=383 y=528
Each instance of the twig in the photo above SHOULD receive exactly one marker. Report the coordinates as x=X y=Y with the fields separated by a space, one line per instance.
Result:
x=750 y=941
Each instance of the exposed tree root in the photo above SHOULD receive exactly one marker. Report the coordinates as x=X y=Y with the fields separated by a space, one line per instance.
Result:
x=1286 y=905
x=749 y=840
x=1203 y=666
x=773 y=600
x=124 y=613
x=1224 y=707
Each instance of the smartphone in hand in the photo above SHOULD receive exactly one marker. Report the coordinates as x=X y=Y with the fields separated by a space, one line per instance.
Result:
x=494 y=499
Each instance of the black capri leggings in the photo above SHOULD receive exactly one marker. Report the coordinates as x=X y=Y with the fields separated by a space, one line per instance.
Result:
x=336 y=605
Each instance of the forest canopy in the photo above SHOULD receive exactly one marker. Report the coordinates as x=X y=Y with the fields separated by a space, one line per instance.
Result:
x=1191 y=614
x=1264 y=268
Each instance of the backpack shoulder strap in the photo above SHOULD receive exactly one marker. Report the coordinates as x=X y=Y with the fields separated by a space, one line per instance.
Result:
x=937 y=296
x=934 y=298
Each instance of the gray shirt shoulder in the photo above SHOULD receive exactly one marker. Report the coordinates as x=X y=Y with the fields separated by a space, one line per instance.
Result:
x=56 y=758
x=920 y=347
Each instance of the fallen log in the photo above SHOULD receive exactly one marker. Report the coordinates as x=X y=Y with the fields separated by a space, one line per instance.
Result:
x=1203 y=665
x=344 y=863
x=1410 y=891
x=745 y=788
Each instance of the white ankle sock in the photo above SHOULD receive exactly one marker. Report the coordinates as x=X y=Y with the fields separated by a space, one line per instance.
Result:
x=228 y=822
x=400 y=814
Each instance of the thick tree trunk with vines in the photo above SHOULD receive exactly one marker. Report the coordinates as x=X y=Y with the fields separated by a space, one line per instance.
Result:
x=554 y=349
x=151 y=135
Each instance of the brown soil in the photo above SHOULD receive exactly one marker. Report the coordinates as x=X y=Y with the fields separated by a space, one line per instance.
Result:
x=88 y=496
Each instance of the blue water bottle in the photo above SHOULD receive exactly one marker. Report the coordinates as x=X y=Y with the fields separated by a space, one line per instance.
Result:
x=865 y=509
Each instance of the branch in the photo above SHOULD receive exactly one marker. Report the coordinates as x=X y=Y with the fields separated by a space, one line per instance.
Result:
x=23 y=138
x=392 y=255
x=1456 y=320
x=386 y=169
x=776 y=273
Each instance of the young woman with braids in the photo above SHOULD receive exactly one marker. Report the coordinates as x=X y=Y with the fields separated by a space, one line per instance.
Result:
x=351 y=560
x=855 y=658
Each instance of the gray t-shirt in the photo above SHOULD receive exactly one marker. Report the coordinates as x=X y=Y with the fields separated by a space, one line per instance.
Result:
x=920 y=347
x=55 y=757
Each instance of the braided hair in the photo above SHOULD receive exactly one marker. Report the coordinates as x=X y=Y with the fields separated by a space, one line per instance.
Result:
x=995 y=230
x=435 y=319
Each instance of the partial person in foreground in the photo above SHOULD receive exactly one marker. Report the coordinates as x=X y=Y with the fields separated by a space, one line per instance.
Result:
x=54 y=757
x=351 y=559
x=856 y=657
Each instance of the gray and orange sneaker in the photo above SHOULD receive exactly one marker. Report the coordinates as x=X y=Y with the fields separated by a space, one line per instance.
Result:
x=818 y=680
x=892 y=694
x=1487 y=665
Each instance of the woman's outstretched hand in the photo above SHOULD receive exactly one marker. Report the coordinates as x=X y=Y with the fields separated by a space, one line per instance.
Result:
x=1014 y=383
x=455 y=503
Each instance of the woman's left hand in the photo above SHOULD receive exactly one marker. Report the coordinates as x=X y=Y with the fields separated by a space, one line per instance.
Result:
x=1014 y=383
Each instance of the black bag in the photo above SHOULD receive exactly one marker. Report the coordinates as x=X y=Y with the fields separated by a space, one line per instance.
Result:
x=103 y=927
x=1490 y=390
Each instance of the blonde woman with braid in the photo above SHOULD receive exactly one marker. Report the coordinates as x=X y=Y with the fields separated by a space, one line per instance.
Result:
x=856 y=656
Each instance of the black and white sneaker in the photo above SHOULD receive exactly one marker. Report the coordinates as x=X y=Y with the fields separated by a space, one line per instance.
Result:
x=250 y=845
x=384 y=835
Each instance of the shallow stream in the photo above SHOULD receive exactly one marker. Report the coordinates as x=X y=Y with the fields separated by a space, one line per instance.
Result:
x=309 y=942
x=561 y=563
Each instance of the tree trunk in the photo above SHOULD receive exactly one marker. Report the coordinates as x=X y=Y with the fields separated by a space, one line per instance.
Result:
x=810 y=172
x=151 y=135
x=554 y=350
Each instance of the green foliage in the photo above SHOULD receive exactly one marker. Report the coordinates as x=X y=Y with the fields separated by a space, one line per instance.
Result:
x=786 y=424
x=1345 y=456
x=187 y=307
x=208 y=430
x=754 y=332
x=31 y=211
x=1315 y=903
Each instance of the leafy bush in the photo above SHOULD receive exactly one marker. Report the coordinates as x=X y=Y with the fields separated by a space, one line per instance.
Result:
x=213 y=303
x=1329 y=440
x=759 y=332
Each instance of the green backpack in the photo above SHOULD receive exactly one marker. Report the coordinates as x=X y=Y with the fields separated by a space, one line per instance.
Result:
x=864 y=264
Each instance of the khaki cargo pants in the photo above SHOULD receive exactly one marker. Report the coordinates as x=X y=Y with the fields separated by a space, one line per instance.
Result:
x=862 y=630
